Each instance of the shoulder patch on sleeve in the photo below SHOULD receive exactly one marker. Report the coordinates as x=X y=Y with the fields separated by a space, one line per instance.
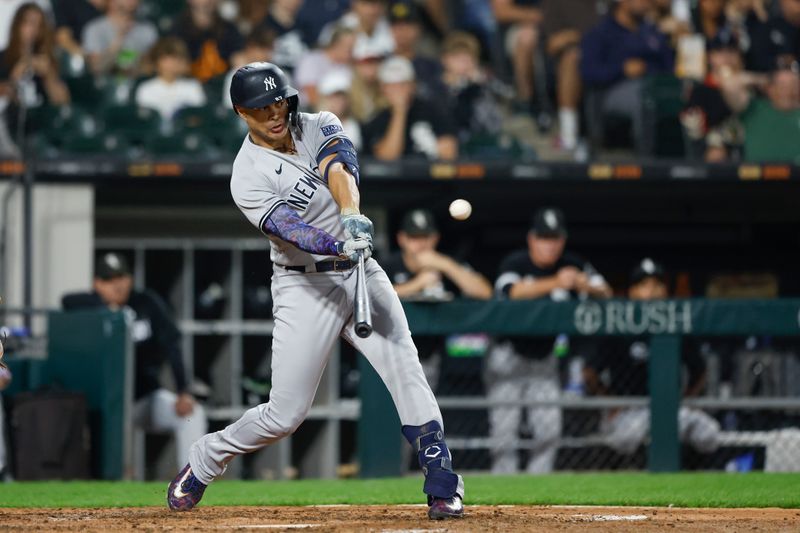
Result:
x=329 y=130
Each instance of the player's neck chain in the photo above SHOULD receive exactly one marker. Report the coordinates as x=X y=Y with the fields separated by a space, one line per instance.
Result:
x=287 y=147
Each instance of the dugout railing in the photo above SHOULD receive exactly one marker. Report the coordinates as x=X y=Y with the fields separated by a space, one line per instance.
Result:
x=666 y=323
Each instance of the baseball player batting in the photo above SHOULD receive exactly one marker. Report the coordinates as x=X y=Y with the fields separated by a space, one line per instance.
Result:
x=296 y=179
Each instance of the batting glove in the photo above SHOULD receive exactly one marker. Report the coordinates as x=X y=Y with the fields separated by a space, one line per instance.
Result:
x=352 y=248
x=358 y=226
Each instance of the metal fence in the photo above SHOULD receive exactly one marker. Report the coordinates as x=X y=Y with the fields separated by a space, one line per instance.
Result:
x=570 y=401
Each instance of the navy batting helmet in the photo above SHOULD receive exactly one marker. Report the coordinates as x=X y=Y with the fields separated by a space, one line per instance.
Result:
x=258 y=85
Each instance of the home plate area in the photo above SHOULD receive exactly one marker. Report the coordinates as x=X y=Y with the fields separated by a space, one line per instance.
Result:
x=405 y=518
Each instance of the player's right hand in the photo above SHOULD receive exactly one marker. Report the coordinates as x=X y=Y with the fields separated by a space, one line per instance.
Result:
x=352 y=248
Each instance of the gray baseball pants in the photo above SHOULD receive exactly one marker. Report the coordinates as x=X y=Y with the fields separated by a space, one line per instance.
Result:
x=311 y=312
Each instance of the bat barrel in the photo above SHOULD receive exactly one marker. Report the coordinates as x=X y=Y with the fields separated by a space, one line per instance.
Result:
x=362 y=312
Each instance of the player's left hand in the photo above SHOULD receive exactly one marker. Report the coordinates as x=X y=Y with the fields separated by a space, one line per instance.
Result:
x=358 y=227
x=352 y=248
x=184 y=405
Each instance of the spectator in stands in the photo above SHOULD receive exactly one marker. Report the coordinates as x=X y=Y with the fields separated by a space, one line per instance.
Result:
x=211 y=40
x=116 y=41
x=672 y=18
x=365 y=93
x=410 y=126
x=619 y=368
x=406 y=31
x=313 y=17
x=7 y=10
x=373 y=34
x=565 y=22
x=525 y=368
x=773 y=40
x=707 y=118
x=157 y=339
x=28 y=71
x=251 y=15
x=71 y=17
x=617 y=54
x=522 y=21
x=258 y=46
x=708 y=18
x=472 y=104
x=170 y=89
x=334 y=96
x=290 y=43
x=315 y=65
x=771 y=123
x=418 y=270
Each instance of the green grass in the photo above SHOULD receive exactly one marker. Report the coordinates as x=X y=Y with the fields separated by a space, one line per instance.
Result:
x=682 y=490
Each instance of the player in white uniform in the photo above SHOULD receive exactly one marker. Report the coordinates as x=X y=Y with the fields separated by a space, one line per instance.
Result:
x=296 y=179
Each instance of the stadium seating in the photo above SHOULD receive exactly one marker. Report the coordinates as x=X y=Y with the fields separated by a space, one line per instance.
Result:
x=194 y=144
x=136 y=123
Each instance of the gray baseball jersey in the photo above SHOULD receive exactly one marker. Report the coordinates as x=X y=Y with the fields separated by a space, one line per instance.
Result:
x=263 y=179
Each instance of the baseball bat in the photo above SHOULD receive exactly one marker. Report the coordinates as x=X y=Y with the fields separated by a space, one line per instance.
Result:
x=363 y=312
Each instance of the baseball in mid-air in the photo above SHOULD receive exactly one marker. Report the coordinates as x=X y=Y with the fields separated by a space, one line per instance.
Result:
x=460 y=209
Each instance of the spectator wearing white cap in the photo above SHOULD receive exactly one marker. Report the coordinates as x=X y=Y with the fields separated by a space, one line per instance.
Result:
x=410 y=126
x=334 y=96
x=337 y=55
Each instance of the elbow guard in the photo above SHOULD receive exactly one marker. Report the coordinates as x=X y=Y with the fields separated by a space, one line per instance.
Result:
x=344 y=152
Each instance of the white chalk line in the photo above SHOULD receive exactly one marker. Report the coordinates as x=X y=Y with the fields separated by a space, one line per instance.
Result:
x=611 y=517
x=271 y=526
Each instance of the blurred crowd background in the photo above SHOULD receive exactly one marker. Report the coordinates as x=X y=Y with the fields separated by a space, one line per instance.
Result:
x=713 y=80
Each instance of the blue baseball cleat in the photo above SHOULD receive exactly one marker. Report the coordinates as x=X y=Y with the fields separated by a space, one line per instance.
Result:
x=442 y=508
x=185 y=491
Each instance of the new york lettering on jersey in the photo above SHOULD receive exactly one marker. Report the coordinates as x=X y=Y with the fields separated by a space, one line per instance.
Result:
x=262 y=179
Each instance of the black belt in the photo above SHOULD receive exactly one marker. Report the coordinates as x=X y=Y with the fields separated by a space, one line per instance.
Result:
x=338 y=265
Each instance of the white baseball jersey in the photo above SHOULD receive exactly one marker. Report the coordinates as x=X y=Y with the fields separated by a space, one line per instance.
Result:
x=263 y=179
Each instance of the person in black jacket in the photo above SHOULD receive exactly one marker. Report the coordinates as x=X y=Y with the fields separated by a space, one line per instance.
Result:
x=526 y=368
x=157 y=339
x=620 y=367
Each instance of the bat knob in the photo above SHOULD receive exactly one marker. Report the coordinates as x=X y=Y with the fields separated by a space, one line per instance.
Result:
x=363 y=330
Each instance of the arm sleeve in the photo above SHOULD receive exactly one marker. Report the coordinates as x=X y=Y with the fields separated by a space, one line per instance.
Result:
x=168 y=337
x=286 y=224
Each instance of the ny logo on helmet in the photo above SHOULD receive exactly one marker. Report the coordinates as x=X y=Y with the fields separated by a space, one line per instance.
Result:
x=269 y=83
